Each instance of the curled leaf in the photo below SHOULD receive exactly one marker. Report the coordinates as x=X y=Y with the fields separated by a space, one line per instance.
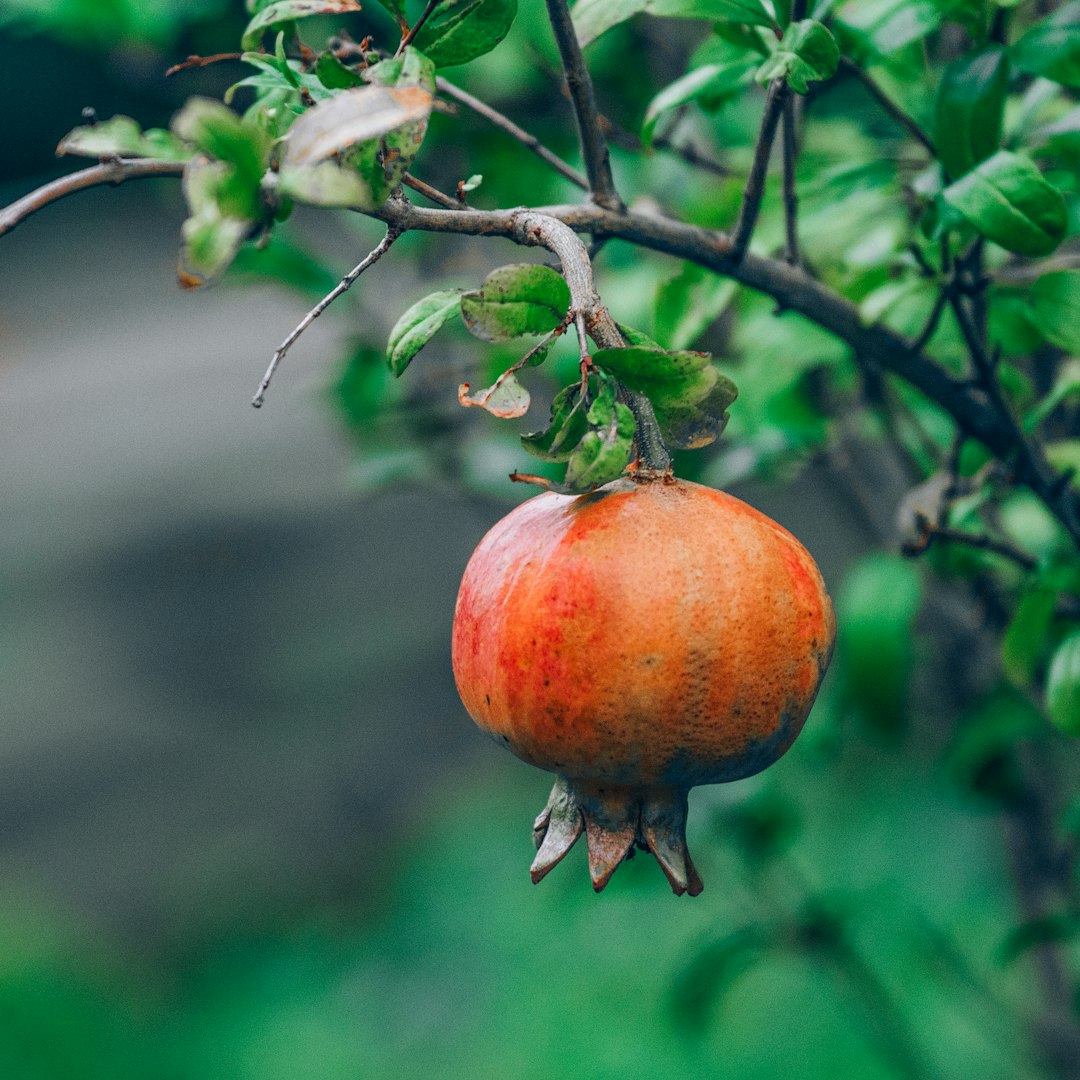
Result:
x=505 y=398
x=688 y=393
x=418 y=326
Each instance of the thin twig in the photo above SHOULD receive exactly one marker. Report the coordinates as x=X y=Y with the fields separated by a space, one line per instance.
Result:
x=594 y=149
x=932 y=323
x=504 y=123
x=791 y=198
x=407 y=37
x=392 y=233
x=689 y=153
x=202 y=61
x=888 y=105
x=755 y=181
x=931 y=533
x=108 y=172
x=433 y=194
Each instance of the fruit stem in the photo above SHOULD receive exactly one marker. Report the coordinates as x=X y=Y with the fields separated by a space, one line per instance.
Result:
x=653 y=455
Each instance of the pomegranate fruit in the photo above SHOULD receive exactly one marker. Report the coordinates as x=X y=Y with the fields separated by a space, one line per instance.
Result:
x=637 y=641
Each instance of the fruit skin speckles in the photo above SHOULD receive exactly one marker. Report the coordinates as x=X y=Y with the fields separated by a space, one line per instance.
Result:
x=638 y=641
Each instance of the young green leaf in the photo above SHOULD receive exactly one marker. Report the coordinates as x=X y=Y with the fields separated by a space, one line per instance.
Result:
x=286 y=11
x=334 y=75
x=120 y=136
x=418 y=326
x=970 y=106
x=524 y=298
x=461 y=30
x=1056 y=301
x=688 y=393
x=594 y=17
x=213 y=230
x=1051 y=48
x=215 y=129
x=807 y=53
x=1063 y=685
x=1007 y=199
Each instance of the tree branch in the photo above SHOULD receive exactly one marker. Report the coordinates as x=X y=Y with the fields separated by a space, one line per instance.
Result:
x=791 y=198
x=889 y=106
x=789 y=286
x=504 y=123
x=392 y=233
x=594 y=149
x=108 y=172
x=755 y=181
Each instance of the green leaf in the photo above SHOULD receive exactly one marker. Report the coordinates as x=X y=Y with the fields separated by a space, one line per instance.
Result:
x=594 y=17
x=807 y=53
x=566 y=430
x=461 y=30
x=212 y=233
x=505 y=398
x=1023 y=647
x=334 y=75
x=284 y=262
x=687 y=305
x=1064 y=455
x=876 y=607
x=120 y=136
x=1055 y=299
x=418 y=326
x=215 y=129
x=970 y=106
x=710 y=82
x=1007 y=199
x=607 y=447
x=397 y=9
x=889 y=25
x=411 y=68
x=327 y=183
x=351 y=117
x=637 y=337
x=595 y=437
x=1066 y=386
x=1051 y=48
x=687 y=391
x=1063 y=685
x=286 y=11
x=524 y=298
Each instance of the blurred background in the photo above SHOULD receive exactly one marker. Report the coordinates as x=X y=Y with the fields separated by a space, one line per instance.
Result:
x=247 y=830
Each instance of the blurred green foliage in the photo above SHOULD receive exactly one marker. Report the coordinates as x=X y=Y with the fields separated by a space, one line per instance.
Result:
x=865 y=916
